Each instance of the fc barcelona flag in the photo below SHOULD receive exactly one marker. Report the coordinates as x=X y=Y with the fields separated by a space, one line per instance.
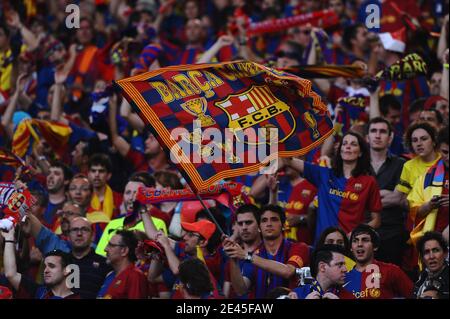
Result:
x=230 y=119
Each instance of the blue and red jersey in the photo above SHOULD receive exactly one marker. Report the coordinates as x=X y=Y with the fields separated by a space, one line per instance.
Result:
x=296 y=199
x=131 y=283
x=342 y=202
x=379 y=281
x=290 y=253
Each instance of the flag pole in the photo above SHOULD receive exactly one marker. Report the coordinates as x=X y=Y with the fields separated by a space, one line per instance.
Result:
x=210 y=214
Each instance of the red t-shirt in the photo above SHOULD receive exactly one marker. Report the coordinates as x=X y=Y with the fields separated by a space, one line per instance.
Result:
x=129 y=284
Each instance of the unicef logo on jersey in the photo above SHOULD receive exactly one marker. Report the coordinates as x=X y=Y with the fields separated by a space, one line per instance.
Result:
x=371 y=14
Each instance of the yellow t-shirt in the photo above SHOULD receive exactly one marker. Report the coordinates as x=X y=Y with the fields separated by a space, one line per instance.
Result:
x=412 y=170
x=117 y=224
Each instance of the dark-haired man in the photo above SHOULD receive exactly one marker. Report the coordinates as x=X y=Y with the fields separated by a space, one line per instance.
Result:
x=274 y=264
x=104 y=198
x=92 y=267
x=370 y=278
x=328 y=268
x=55 y=274
x=248 y=234
x=195 y=279
x=57 y=180
x=126 y=281
x=387 y=169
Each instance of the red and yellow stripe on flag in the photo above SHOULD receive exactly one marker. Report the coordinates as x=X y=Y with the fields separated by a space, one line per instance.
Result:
x=31 y=130
x=243 y=97
x=9 y=159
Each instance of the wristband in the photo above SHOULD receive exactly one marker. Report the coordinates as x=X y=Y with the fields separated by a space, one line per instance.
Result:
x=446 y=66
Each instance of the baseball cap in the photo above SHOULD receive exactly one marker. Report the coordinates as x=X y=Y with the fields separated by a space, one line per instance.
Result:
x=203 y=227
x=394 y=41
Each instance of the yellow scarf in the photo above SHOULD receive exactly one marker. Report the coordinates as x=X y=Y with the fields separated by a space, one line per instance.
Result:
x=108 y=202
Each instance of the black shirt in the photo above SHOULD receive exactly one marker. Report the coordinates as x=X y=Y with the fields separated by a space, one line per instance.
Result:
x=388 y=175
x=93 y=271
x=440 y=281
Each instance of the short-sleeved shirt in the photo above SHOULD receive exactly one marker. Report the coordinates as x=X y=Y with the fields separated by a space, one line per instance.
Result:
x=290 y=253
x=30 y=289
x=342 y=202
x=412 y=170
x=388 y=281
x=131 y=283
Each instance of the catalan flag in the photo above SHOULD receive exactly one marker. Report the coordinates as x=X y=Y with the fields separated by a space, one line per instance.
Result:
x=238 y=97
x=32 y=130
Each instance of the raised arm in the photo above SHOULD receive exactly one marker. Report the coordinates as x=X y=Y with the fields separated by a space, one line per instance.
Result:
x=443 y=39
x=9 y=260
x=223 y=41
x=132 y=118
x=31 y=41
x=12 y=105
x=172 y=259
x=374 y=109
x=119 y=142
x=444 y=82
x=295 y=163
x=240 y=284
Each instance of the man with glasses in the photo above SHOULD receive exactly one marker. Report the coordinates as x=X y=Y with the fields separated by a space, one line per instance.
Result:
x=126 y=281
x=93 y=267
x=81 y=191
x=69 y=211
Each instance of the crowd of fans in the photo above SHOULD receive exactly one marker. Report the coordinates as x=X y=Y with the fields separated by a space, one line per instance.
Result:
x=367 y=212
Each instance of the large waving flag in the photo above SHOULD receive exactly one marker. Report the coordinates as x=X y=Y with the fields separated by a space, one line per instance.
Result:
x=261 y=107
x=30 y=131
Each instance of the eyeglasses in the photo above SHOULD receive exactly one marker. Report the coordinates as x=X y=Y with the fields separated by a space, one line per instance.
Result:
x=76 y=230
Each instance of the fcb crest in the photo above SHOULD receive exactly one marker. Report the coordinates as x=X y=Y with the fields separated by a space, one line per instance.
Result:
x=258 y=108
x=358 y=187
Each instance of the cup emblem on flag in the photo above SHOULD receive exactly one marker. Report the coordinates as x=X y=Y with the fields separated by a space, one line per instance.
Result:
x=312 y=123
x=258 y=107
x=197 y=107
